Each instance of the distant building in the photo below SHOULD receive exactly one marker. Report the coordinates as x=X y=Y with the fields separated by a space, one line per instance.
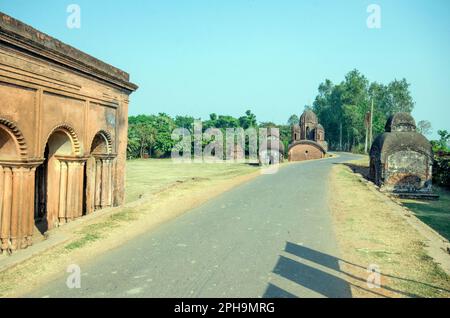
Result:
x=401 y=159
x=63 y=133
x=308 y=139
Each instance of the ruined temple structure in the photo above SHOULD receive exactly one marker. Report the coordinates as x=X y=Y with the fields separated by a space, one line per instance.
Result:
x=63 y=133
x=308 y=139
x=401 y=159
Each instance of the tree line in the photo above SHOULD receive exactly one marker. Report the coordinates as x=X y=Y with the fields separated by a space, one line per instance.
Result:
x=341 y=108
x=151 y=135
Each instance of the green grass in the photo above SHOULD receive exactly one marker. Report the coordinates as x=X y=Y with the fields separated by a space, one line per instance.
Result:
x=149 y=176
x=435 y=213
x=87 y=238
x=93 y=232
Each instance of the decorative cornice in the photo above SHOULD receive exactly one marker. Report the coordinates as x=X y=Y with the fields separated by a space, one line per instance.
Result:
x=78 y=159
x=31 y=163
x=24 y=37
x=110 y=156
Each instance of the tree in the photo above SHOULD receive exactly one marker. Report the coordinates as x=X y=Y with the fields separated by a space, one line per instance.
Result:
x=146 y=135
x=184 y=122
x=345 y=106
x=441 y=166
x=293 y=120
x=400 y=99
x=444 y=139
x=164 y=126
x=133 y=146
x=424 y=127
x=213 y=116
x=247 y=121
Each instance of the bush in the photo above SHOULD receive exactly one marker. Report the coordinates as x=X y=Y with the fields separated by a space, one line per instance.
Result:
x=359 y=149
x=441 y=173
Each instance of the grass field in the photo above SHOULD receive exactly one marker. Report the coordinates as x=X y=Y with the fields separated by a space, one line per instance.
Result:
x=150 y=176
x=435 y=213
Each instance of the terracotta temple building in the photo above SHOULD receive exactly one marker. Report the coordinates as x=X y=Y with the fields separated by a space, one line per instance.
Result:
x=308 y=139
x=401 y=159
x=63 y=133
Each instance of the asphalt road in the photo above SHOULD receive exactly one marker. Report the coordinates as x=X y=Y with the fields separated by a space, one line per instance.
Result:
x=270 y=237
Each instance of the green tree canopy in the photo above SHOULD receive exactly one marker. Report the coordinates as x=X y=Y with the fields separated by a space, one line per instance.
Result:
x=293 y=120
x=342 y=108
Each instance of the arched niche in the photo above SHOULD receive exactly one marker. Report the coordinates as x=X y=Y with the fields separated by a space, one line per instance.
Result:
x=60 y=144
x=99 y=173
x=63 y=141
x=8 y=147
x=12 y=141
x=16 y=189
x=101 y=144
x=59 y=180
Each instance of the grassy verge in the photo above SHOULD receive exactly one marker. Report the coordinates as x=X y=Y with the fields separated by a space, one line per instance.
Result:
x=435 y=213
x=97 y=231
x=371 y=230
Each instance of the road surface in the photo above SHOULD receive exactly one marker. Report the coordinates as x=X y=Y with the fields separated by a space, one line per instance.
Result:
x=270 y=237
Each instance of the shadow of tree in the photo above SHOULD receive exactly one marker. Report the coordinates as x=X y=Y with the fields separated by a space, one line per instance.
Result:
x=362 y=170
x=324 y=283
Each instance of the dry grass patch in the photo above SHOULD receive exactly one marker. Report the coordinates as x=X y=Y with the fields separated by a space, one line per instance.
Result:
x=150 y=176
x=371 y=230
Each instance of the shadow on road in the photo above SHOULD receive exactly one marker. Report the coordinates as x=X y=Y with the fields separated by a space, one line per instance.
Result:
x=324 y=283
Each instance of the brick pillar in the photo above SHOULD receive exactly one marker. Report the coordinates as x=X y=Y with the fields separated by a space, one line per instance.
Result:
x=30 y=207
x=98 y=184
x=90 y=185
x=16 y=205
x=6 y=208
x=62 y=211
x=71 y=191
x=122 y=139
x=71 y=181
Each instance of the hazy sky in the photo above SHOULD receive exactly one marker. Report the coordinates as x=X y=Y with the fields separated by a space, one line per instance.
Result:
x=199 y=57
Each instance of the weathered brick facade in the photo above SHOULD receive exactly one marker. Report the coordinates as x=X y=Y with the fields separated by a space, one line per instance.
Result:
x=401 y=159
x=63 y=133
x=308 y=139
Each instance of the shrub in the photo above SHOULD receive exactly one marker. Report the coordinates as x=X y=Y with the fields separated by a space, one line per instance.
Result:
x=441 y=173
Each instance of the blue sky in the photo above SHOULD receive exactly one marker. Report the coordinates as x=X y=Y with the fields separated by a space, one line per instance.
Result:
x=199 y=57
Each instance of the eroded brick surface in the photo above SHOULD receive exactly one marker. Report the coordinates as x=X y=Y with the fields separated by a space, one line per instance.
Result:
x=401 y=159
